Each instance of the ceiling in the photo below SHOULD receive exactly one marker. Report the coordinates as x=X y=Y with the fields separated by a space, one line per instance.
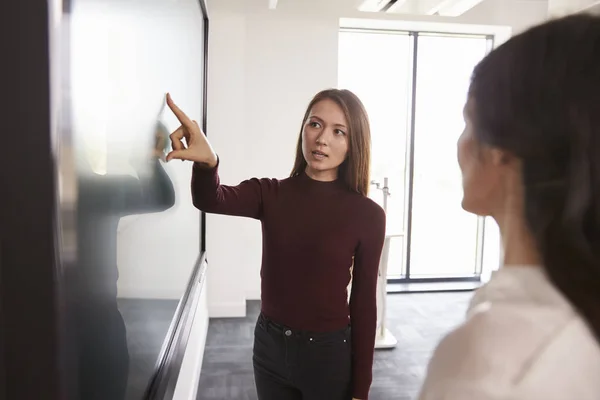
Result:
x=447 y=8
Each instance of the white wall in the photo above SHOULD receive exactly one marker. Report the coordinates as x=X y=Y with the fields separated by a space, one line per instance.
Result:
x=126 y=56
x=557 y=8
x=264 y=68
x=263 y=71
x=226 y=114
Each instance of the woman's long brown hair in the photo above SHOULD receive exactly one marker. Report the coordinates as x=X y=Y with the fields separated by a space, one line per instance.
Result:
x=355 y=170
x=537 y=97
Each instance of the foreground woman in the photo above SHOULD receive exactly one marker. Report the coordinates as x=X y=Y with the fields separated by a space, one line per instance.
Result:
x=530 y=158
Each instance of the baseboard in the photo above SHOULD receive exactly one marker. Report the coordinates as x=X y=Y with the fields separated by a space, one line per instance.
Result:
x=253 y=294
x=393 y=288
x=227 y=310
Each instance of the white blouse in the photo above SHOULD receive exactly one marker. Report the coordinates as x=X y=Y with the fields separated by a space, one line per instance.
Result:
x=521 y=340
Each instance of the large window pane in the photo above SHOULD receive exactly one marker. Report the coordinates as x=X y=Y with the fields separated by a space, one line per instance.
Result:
x=376 y=66
x=444 y=238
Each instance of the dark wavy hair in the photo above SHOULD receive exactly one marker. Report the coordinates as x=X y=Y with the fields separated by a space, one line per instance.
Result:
x=355 y=170
x=537 y=96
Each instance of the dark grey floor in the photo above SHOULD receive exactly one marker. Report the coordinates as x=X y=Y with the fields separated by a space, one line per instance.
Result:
x=417 y=320
x=147 y=323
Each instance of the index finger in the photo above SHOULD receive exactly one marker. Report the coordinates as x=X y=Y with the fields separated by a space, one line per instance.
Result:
x=184 y=119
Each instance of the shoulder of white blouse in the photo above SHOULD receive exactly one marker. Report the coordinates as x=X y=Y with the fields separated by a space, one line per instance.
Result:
x=496 y=342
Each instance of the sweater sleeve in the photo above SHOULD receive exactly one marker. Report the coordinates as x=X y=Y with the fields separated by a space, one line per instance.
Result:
x=243 y=200
x=363 y=301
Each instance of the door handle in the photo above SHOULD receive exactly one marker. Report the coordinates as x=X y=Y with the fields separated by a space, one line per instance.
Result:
x=385 y=189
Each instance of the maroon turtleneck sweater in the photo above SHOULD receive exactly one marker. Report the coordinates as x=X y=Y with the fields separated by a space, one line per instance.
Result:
x=312 y=230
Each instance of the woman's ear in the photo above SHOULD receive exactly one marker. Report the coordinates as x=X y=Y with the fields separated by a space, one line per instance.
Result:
x=501 y=157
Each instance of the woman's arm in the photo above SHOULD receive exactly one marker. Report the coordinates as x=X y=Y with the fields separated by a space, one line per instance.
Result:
x=190 y=143
x=363 y=300
x=243 y=200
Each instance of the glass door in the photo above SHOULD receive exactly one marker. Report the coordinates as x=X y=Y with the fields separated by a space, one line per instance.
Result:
x=377 y=67
x=445 y=241
x=414 y=87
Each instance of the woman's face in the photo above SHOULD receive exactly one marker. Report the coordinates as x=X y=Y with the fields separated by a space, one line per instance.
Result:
x=325 y=140
x=483 y=170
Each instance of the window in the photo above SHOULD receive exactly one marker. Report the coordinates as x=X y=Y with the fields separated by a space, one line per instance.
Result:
x=414 y=85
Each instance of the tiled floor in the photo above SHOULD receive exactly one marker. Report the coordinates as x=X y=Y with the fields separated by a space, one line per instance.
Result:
x=417 y=320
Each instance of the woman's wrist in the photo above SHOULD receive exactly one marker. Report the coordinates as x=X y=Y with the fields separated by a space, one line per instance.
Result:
x=213 y=162
x=209 y=164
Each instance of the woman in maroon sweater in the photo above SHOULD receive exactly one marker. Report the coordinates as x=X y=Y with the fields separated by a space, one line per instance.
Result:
x=320 y=230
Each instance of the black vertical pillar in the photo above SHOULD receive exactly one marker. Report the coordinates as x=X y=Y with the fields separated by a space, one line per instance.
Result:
x=30 y=357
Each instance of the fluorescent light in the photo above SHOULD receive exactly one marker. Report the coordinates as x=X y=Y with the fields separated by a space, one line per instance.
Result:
x=373 y=5
x=396 y=6
x=272 y=4
x=455 y=8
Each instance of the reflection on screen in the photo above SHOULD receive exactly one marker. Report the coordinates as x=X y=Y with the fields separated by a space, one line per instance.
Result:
x=138 y=235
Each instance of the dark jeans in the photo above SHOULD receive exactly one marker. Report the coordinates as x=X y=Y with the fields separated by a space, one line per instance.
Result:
x=297 y=365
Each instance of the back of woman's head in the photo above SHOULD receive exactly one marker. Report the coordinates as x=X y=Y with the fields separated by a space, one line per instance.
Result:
x=355 y=170
x=538 y=97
